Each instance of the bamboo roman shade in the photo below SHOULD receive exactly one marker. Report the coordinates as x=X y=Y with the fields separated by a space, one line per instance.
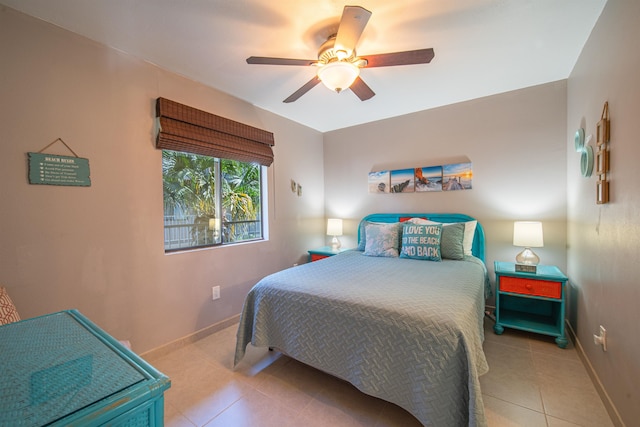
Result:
x=184 y=128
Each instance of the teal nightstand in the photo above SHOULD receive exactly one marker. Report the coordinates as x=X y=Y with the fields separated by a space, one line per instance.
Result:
x=533 y=302
x=323 y=252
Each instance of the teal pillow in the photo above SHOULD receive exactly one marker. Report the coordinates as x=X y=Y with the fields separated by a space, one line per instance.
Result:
x=421 y=241
x=382 y=239
x=451 y=241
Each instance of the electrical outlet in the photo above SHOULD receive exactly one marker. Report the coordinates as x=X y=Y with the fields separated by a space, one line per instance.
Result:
x=215 y=293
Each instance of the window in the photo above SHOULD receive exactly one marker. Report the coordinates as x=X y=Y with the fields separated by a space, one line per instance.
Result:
x=209 y=201
x=212 y=170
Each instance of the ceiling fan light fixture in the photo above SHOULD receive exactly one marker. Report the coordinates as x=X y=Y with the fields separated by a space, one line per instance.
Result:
x=338 y=75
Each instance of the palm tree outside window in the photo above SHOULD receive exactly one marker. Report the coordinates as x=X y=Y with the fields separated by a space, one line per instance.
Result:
x=209 y=201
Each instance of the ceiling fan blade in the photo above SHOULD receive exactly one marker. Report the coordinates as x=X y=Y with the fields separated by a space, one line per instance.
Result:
x=361 y=89
x=352 y=23
x=420 y=56
x=279 y=61
x=304 y=89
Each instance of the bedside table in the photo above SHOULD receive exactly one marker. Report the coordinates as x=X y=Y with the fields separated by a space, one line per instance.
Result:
x=323 y=252
x=533 y=302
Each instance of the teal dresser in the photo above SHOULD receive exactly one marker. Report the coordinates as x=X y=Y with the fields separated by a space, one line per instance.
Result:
x=63 y=370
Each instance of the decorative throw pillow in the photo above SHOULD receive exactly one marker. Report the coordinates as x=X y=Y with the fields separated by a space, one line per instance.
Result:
x=382 y=239
x=469 y=231
x=421 y=241
x=451 y=246
x=362 y=243
x=8 y=312
x=362 y=234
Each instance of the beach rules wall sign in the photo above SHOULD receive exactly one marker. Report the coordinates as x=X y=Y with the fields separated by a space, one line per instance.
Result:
x=58 y=170
x=53 y=169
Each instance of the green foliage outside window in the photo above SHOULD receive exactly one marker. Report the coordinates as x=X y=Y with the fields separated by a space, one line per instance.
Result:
x=209 y=201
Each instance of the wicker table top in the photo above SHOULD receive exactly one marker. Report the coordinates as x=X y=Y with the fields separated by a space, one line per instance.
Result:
x=54 y=365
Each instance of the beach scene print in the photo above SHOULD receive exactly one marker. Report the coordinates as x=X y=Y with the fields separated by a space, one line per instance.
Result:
x=428 y=178
x=402 y=181
x=457 y=177
x=379 y=182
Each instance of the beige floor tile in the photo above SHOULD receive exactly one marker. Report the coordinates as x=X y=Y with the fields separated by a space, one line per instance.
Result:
x=393 y=416
x=344 y=405
x=531 y=382
x=551 y=366
x=203 y=395
x=255 y=409
x=547 y=345
x=511 y=376
x=556 y=422
x=511 y=337
x=293 y=386
x=573 y=403
x=501 y=413
x=568 y=392
x=173 y=418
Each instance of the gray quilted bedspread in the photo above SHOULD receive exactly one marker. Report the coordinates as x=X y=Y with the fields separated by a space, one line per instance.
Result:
x=406 y=331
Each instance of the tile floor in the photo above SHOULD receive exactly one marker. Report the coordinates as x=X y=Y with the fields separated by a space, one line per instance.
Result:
x=531 y=382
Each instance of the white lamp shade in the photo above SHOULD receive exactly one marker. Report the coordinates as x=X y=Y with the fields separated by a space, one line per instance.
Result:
x=334 y=227
x=528 y=234
x=338 y=75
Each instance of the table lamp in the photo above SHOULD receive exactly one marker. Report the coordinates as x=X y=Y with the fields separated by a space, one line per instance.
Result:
x=334 y=228
x=527 y=234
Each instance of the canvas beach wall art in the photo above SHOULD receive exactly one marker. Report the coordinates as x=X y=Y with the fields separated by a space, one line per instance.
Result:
x=379 y=182
x=402 y=181
x=428 y=178
x=457 y=177
x=451 y=177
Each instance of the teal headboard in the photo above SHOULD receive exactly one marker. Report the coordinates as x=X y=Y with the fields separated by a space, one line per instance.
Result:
x=478 y=239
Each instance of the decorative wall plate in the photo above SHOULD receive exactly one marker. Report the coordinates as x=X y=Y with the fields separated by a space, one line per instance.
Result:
x=586 y=161
x=579 y=140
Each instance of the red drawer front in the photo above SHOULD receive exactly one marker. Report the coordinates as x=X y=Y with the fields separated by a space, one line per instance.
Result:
x=316 y=257
x=541 y=288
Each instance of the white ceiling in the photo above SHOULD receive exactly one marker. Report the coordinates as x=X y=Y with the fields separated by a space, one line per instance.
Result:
x=482 y=47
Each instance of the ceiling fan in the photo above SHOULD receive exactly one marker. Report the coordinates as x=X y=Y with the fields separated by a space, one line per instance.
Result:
x=339 y=65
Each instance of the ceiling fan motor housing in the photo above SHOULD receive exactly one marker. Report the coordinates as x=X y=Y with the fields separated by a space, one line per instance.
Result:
x=327 y=52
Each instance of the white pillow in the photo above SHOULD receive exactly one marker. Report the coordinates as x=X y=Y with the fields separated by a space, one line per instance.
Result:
x=469 y=231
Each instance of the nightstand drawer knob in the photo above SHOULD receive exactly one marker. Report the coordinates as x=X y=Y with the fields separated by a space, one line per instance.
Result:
x=528 y=286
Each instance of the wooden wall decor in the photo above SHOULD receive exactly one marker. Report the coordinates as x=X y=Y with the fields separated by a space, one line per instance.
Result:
x=603 y=134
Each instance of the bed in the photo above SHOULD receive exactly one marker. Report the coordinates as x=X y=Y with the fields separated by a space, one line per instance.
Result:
x=405 y=330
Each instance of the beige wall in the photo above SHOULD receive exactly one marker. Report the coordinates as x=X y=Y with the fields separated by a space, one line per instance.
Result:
x=100 y=249
x=515 y=141
x=604 y=240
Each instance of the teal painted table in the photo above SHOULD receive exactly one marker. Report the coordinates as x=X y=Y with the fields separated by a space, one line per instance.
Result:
x=324 y=252
x=533 y=302
x=63 y=370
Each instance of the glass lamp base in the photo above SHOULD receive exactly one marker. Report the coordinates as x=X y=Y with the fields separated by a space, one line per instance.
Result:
x=528 y=257
x=335 y=243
